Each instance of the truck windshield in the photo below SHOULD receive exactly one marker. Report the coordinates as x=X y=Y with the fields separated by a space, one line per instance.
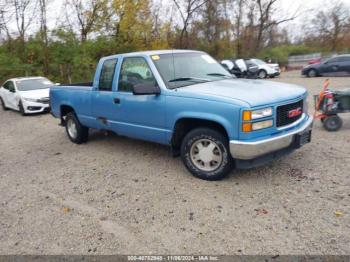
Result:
x=33 y=84
x=184 y=69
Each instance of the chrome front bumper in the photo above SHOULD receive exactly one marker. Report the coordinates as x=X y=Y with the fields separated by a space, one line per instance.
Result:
x=250 y=150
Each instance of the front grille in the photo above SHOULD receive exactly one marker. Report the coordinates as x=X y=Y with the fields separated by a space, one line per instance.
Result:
x=283 y=111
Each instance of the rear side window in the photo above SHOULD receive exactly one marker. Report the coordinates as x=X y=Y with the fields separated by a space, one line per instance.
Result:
x=107 y=73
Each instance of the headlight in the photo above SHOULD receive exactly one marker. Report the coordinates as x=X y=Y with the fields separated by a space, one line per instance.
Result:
x=30 y=99
x=256 y=114
x=248 y=127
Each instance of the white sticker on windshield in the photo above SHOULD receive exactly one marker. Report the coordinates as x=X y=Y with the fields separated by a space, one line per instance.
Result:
x=209 y=59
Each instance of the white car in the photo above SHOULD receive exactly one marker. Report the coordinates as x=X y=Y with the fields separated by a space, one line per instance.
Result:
x=265 y=69
x=29 y=95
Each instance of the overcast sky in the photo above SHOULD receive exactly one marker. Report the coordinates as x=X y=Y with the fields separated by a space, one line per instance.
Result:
x=285 y=8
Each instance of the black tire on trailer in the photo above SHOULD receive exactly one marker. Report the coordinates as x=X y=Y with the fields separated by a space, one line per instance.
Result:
x=332 y=123
x=206 y=154
x=77 y=133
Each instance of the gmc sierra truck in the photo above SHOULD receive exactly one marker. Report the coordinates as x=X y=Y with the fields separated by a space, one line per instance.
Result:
x=188 y=101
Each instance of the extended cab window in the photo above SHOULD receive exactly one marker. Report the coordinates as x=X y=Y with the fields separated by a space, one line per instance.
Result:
x=134 y=71
x=107 y=73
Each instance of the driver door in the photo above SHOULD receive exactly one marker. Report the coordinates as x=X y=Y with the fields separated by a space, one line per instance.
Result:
x=10 y=96
x=139 y=116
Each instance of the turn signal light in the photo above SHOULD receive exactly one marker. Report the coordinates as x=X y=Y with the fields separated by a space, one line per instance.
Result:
x=247 y=127
x=247 y=115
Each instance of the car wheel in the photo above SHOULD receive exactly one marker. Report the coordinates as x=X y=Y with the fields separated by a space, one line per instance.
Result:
x=332 y=123
x=76 y=132
x=3 y=104
x=21 y=108
x=312 y=73
x=262 y=74
x=205 y=153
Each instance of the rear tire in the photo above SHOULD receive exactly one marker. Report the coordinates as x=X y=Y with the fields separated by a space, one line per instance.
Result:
x=206 y=154
x=3 y=105
x=332 y=123
x=77 y=133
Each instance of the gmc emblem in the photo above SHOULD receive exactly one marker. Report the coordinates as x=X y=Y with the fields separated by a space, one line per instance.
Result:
x=295 y=112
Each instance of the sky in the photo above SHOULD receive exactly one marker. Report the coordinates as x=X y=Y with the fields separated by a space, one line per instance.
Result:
x=286 y=8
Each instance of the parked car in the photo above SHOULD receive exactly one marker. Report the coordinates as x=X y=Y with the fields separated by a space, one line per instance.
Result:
x=264 y=69
x=338 y=65
x=28 y=95
x=188 y=101
x=240 y=69
x=314 y=61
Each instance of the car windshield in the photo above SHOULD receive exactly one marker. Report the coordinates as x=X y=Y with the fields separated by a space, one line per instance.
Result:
x=33 y=84
x=258 y=61
x=184 y=69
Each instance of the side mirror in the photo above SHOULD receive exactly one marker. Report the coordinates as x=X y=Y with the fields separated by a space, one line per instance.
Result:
x=12 y=90
x=146 y=89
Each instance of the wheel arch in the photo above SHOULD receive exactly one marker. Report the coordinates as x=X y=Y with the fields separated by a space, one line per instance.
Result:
x=184 y=125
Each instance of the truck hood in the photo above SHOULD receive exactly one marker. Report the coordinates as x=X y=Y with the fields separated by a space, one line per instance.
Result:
x=36 y=94
x=253 y=92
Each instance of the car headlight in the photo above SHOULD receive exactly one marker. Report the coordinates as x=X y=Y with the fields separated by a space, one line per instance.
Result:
x=31 y=99
x=257 y=114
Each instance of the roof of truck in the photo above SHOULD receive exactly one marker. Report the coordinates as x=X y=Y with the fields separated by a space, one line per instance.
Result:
x=156 y=52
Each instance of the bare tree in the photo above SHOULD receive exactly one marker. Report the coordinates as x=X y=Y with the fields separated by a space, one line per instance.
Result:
x=88 y=13
x=44 y=34
x=186 y=14
x=265 y=12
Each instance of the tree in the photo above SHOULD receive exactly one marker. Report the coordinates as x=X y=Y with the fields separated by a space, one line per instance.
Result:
x=187 y=10
x=89 y=15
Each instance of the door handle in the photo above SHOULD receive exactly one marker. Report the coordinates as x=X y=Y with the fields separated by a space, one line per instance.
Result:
x=116 y=100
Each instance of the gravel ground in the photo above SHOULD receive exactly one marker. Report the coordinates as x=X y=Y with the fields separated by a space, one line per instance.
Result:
x=115 y=195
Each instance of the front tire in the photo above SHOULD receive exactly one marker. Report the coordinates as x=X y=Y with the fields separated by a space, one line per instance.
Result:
x=3 y=105
x=21 y=109
x=312 y=73
x=205 y=153
x=262 y=74
x=77 y=133
x=332 y=123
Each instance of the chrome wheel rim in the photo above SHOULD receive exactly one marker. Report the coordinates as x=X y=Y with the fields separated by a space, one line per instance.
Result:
x=262 y=75
x=72 y=128
x=206 y=155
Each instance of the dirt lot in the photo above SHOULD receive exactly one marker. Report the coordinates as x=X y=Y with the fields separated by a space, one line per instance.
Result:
x=115 y=195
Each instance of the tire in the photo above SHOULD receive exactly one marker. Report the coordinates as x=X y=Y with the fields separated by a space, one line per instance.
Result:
x=332 y=123
x=3 y=105
x=262 y=74
x=312 y=73
x=77 y=133
x=217 y=162
x=21 y=109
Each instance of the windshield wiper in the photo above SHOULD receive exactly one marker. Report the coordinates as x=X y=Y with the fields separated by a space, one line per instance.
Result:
x=218 y=75
x=190 y=79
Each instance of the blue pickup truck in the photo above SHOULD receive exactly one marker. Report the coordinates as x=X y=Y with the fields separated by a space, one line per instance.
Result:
x=188 y=101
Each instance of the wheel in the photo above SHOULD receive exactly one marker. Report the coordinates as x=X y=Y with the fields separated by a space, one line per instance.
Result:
x=76 y=132
x=262 y=74
x=21 y=108
x=205 y=153
x=332 y=123
x=3 y=104
x=312 y=73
